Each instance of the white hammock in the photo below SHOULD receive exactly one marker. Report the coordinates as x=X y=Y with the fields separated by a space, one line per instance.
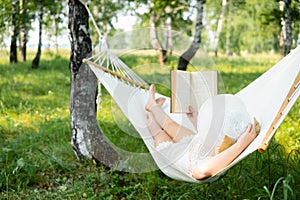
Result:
x=269 y=98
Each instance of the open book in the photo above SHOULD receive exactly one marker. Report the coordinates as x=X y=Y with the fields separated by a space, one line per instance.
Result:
x=191 y=89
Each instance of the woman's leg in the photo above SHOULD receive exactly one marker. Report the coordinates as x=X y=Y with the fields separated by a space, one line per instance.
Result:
x=158 y=134
x=215 y=164
x=175 y=131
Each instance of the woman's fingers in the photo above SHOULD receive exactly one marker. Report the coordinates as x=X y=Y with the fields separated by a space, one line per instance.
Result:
x=251 y=130
x=191 y=109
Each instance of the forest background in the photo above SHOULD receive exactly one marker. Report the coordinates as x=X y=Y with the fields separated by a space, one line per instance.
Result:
x=251 y=26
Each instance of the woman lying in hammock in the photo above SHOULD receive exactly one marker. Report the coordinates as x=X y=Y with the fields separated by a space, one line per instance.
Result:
x=230 y=119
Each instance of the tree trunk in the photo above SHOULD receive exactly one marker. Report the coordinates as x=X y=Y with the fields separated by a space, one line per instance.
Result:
x=87 y=139
x=154 y=40
x=170 y=36
x=281 y=41
x=219 y=27
x=288 y=27
x=186 y=57
x=13 y=44
x=168 y=42
x=228 y=43
x=23 y=44
x=55 y=43
x=23 y=35
x=36 y=60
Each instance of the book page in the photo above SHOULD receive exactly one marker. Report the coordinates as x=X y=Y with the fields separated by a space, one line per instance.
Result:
x=180 y=89
x=203 y=86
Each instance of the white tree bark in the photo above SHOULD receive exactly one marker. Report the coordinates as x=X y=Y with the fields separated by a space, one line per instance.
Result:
x=153 y=36
x=219 y=27
x=87 y=139
x=55 y=39
x=186 y=57
x=154 y=40
x=168 y=42
x=23 y=34
x=288 y=27
x=36 y=60
x=285 y=40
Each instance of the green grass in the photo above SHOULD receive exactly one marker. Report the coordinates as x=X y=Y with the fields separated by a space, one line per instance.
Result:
x=37 y=161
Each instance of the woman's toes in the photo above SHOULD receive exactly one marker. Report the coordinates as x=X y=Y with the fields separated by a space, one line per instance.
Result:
x=160 y=101
x=152 y=90
x=149 y=105
x=151 y=102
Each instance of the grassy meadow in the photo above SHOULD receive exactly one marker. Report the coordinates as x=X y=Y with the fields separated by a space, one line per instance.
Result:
x=37 y=161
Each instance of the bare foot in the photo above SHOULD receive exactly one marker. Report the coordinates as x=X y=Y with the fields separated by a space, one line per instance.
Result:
x=152 y=101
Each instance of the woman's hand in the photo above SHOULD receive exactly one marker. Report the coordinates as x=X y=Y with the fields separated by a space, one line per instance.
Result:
x=192 y=115
x=248 y=136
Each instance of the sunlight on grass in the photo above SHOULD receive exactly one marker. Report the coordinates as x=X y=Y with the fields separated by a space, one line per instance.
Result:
x=20 y=121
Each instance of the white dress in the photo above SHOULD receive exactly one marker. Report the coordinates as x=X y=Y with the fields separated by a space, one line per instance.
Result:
x=219 y=116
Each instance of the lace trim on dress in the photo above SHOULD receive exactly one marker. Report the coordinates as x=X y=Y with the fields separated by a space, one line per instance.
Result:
x=165 y=144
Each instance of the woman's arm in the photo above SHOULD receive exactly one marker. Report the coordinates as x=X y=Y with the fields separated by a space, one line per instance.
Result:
x=215 y=164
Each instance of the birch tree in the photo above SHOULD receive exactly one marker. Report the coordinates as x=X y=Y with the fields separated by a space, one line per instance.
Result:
x=219 y=27
x=23 y=32
x=282 y=22
x=26 y=16
x=15 y=32
x=287 y=26
x=87 y=139
x=186 y=57
x=164 y=16
x=36 y=60
x=154 y=39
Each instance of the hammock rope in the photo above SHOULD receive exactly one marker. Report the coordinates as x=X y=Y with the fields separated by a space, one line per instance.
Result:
x=110 y=62
x=122 y=75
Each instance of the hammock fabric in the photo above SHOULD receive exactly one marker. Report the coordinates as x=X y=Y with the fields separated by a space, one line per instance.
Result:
x=269 y=98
